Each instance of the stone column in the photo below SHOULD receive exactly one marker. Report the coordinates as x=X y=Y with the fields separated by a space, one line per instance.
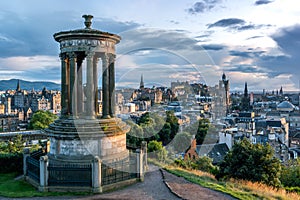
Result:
x=73 y=84
x=112 y=98
x=43 y=174
x=79 y=86
x=95 y=73
x=64 y=89
x=105 y=86
x=139 y=164
x=145 y=158
x=96 y=175
x=26 y=154
x=90 y=101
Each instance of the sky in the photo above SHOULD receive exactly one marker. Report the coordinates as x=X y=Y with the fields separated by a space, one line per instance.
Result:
x=253 y=41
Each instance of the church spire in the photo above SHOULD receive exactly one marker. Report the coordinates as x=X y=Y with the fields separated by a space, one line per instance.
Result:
x=18 y=86
x=246 y=90
x=142 y=82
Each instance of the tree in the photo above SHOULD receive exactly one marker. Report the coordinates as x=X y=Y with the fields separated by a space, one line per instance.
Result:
x=154 y=146
x=199 y=129
x=135 y=136
x=253 y=162
x=157 y=150
x=41 y=119
x=181 y=142
x=290 y=176
x=170 y=128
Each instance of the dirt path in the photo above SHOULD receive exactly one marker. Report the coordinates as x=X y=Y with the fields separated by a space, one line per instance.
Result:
x=157 y=186
x=190 y=191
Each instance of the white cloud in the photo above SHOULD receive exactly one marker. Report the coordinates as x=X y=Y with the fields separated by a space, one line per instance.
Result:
x=23 y=63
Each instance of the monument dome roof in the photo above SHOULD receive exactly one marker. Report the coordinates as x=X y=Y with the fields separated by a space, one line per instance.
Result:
x=285 y=106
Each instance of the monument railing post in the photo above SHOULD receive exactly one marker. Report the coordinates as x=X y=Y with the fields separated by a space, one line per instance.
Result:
x=139 y=164
x=43 y=173
x=96 y=175
x=26 y=154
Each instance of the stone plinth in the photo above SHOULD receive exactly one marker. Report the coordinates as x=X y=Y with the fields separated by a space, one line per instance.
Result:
x=82 y=138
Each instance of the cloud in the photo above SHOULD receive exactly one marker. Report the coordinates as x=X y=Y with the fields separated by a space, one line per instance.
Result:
x=257 y=81
x=288 y=43
x=174 y=22
x=236 y=24
x=203 y=6
x=246 y=54
x=142 y=50
x=33 y=35
x=254 y=37
x=229 y=22
x=262 y=2
x=213 y=47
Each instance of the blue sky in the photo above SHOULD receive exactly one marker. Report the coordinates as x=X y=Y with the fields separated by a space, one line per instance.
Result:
x=256 y=41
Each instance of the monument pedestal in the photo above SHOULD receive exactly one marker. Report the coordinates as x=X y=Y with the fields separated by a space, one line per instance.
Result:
x=82 y=139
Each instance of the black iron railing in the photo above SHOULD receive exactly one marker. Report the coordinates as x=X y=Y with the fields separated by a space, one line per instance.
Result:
x=70 y=174
x=118 y=171
x=33 y=165
x=33 y=168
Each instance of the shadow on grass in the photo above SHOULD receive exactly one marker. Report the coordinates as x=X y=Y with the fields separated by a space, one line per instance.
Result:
x=9 y=187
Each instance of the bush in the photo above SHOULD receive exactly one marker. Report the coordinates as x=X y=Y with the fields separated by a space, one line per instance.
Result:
x=204 y=163
x=252 y=162
x=11 y=163
x=290 y=176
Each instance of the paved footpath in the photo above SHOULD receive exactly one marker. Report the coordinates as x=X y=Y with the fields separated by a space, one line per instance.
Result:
x=158 y=185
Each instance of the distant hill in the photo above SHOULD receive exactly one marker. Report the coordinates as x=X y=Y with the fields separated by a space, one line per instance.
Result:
x=27 y=85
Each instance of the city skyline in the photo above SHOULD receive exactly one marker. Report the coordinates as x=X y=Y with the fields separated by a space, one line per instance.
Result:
x=254 y=41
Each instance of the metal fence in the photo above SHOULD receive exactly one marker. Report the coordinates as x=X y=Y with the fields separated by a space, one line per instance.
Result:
x=70 y=174
x=118 y=171
x=33 y=168
x=33 y=165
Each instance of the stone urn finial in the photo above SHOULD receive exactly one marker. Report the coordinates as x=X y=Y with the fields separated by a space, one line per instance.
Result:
x=88 y=20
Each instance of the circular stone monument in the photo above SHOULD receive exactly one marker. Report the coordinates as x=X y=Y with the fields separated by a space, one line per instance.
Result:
x=84 y=132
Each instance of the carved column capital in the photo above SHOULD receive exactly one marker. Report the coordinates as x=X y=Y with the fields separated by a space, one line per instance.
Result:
x=89 y=54
x=71 y=54
x=105 y=58
x=62 y=56
x=112 y=58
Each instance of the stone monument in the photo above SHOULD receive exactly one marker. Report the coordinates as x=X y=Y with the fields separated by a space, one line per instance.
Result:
x=81 y=136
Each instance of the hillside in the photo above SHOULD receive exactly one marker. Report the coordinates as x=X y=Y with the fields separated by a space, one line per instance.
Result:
x=27 y=85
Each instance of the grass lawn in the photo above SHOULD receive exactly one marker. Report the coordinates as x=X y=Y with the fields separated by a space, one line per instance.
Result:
x=239 y=189
x=19 y=188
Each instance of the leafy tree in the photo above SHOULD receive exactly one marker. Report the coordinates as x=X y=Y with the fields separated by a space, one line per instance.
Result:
x=204 y=163
x=15 y=145
x=173 y=120
x=157 y=150
x=253 y=162
x=181 y=142
x=135 y=136
x=42 y=119
x=200 y=129
x=154 y=146
x=290 y=176
x=170 y=128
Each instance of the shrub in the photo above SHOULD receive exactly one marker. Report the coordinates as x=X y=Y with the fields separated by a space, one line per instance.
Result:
x=11 y=163
x=290 y=176
x=252 y=162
